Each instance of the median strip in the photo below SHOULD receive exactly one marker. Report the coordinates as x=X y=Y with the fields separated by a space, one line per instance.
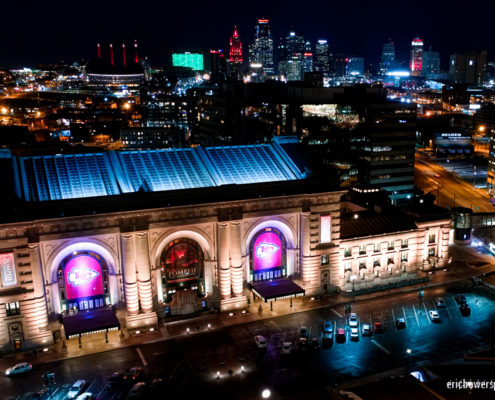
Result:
x=380 y=346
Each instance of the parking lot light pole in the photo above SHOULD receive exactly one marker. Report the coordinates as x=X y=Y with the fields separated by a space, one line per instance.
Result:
x=408 y=351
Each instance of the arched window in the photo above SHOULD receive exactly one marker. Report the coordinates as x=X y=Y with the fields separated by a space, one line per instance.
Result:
x=268 y=255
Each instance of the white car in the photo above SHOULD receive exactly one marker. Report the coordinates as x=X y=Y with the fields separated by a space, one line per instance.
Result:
x=260 y=342
x=286 y=348
x=18 y=369
x=85 y=396
x=434 y=316
x=353 y=320
x=366 y=330
x=354 y=334
x=76 y=388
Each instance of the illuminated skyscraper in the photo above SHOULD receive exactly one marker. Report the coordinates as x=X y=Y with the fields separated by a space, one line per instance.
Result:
x=322 y=57
x=308 y=57
x=291 y=62
x=431 y=63
x=235 y=56
x=388 y=57
x=261 y=51
x=416 y=56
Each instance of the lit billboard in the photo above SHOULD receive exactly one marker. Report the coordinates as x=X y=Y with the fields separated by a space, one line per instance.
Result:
x=7 y=270
x=190 y=60
x=267 y=251
x=83 y=277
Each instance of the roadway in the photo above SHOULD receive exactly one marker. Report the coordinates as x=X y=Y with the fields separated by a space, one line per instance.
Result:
x=225 y=363
x=450 y=190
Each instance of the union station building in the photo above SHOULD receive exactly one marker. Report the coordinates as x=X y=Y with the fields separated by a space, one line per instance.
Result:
x=160 y=233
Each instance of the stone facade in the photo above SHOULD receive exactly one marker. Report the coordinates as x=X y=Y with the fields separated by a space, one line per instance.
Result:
x=132 y=243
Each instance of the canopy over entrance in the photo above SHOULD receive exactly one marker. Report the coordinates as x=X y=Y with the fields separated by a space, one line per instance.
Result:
x=90 y=321
x=276 y=289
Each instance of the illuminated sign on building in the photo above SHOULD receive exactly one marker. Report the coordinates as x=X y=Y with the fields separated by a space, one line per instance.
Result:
x=7 y=270
x=267 y=251
x=190 y=60
x=82 y=276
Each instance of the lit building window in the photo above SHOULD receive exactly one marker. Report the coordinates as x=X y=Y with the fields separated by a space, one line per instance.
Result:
x=325 y=229
x=404 y=243
x=431 y=252
x=362 y=249
x=391 y=245
x=347 y=252
x=376 y=247
x=403 y=257
x=12 y=308
x=324 y=259
x=348 y=266
x=431 y=238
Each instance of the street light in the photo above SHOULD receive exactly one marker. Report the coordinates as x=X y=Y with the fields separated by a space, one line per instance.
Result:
x=266 y=393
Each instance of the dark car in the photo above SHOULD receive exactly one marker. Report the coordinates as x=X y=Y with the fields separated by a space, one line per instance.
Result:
x=304 y=332
x=315 y=344
x=461 y=299
x=378 y=327
x=132 y=374
x=115 y=379
x=340 y=337
x=465 y=310
x=440 y=302
x=400 y=323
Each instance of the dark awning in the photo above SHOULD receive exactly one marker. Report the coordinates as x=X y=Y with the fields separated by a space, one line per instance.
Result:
x=276 y=289
x=90 y=321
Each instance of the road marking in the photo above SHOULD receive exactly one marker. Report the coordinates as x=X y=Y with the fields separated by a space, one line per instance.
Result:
x=448 y=312
x=140 y=354
x=337 y=313
x=393 y=320
x=380 y=346
x=426 y=312
x=416 y=315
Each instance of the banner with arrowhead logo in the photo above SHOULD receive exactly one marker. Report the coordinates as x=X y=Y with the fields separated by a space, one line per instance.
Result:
x=83 y=278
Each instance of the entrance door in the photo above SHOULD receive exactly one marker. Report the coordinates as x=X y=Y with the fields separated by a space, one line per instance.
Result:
x=17 y=345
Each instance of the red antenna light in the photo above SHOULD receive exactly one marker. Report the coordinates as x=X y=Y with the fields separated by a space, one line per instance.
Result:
x=123 y=55
x=136 y=60
x=111 y=54
x=98 y=48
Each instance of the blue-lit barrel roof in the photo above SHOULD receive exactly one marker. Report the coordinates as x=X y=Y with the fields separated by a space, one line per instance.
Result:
x=72 y=176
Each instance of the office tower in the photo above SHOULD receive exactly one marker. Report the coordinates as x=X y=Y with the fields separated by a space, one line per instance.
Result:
x=293 y=54
x=308 y=57
x=416 y=56
x=354 y=66
x=431 y=63
x=388 y=57
x=235 y=56
x=322 y=57
x=469 y=68
x=261 y=50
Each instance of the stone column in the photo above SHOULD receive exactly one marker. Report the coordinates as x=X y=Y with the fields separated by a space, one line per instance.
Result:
x=223 y=260
x=39 y=287
x=309 y=270
x=236 y=259
x=144 y=272
x=130 y=284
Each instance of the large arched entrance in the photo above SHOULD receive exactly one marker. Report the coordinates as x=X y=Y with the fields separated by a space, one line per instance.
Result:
x=183 y=282
x=268 y=255
x=83 y=281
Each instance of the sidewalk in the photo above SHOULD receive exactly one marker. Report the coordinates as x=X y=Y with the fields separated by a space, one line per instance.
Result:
x=95 y=343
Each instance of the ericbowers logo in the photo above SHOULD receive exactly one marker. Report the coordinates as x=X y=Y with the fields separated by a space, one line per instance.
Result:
x=264 y=250
x=79 y=276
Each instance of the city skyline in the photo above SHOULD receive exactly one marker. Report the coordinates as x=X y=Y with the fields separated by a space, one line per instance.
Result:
x=63 y=35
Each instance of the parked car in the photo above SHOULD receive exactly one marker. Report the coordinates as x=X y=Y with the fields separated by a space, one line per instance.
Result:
x=132 y=374
x=400 y=323
x=366 y=330
x=440 y=302
x=340 y=337
x=378 y=327
x=260 y=342
x=137 y=391
x=115 y=379
x=76 y=388
x=286 y=348
x=434 y=316
x=461 y=299
x=353 y=320
x=303 y=343
x=327 y=340
x=17 y=369
x=304 y=332
x=85 y=396
x=315 y=343
x=354 y=334
x=328 y=327
x=465 y=310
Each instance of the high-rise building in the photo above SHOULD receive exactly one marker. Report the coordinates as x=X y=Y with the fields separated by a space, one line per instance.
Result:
x=322 y=57
x=416 y=56
x=235 y=56
x=308 y=57
x=388 y=57
x=431 y=63
x=469 y=68
x=295 y=50
x=261 y=50
x=354 y=66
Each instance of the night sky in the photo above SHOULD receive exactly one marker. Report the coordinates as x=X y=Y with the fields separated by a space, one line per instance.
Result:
x=51 y=31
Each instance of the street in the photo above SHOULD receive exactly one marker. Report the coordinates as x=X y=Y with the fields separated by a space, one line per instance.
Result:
x=227 y=363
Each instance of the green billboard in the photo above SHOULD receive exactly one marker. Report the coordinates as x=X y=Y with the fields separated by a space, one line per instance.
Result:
x=191 y=60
